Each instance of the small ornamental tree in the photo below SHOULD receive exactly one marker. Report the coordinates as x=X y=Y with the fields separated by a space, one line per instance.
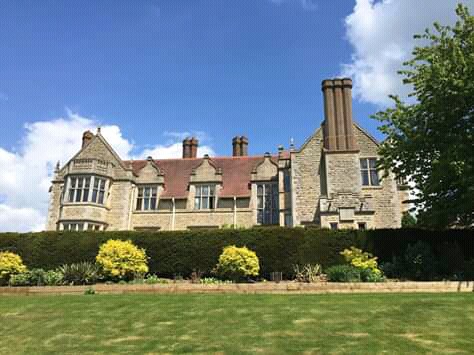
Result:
x=10 y=264
x=237 y=263
x=122 y=259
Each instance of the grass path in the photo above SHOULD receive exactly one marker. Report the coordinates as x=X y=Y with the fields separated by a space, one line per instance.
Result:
x=370 y=323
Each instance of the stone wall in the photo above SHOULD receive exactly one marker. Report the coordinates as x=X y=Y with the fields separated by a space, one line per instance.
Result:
x=306 y=179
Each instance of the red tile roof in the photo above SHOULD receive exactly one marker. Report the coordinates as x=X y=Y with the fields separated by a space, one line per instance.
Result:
x=236 y=174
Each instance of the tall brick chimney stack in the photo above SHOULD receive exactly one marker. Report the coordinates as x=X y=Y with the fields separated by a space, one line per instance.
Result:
x=338 y=132
x=87 y=138
x=194 y=147
x=244 y=146
x=236 y=147
x=187 y=148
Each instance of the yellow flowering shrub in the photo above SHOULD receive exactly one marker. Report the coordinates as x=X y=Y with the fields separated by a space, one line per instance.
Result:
x=122 y=259
x=10 y=264
x=361 y=259
x=236 y=263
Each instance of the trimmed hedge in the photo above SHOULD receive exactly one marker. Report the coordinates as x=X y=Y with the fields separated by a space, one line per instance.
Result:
x=278 y=249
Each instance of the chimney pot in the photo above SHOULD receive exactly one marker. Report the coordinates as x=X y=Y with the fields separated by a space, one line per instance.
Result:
x=236 y=147
x=244 y=146
x=186 y=148
x=338 y=124
x=194 y=147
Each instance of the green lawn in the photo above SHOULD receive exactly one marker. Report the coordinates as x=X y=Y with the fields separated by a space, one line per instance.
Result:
x=393 y=323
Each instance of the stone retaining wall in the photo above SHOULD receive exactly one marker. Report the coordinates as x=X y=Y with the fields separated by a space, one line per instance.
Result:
x=267 y=287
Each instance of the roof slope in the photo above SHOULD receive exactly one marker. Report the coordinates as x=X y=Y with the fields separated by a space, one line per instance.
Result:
x=236 y=173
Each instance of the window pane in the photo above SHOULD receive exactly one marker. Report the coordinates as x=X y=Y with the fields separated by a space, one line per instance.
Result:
x=140 y=192
x=260 y=201
x=260 y=217
x=94 y=195
x=198 y=190
x=374 y=178
x=73 y=182
x=139 y=204
x=147 y=192
x=365 y=177
x=78 y=195
x=146 y=204
x=87 y=182
x=197 y=203
x=205 y=190
x=205 y=203
x=80 y=227
x=153 y=203
x=80 y=182
x=363 y=163
x=71 y=195
x=260 y=190
x=102 y=184
x=372 y=163
x=101 y=197
x=96 y=183
x=211 y=202
x=85 y=196
x=153 y=192
x=212 y=190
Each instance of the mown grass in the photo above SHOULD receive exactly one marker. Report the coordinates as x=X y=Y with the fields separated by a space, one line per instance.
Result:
x=371 y=323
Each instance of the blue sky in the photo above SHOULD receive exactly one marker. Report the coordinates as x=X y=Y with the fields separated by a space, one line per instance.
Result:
x=152 y=71
x=249 y=67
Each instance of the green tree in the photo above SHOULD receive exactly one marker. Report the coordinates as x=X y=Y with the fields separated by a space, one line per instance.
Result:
x=408 y=220
x=430 y=139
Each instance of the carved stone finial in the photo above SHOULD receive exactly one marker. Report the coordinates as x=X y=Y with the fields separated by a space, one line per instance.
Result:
x=58 y=166
x=98 y=130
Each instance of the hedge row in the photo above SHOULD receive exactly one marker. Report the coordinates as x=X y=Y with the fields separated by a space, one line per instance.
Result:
x=179 y=252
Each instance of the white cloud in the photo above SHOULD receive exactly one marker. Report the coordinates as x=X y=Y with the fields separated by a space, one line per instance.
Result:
x=381 y=33
x=26 y=171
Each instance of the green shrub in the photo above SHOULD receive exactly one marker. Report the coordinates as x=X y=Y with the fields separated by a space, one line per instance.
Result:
x=361 y=260
x=343 y=273
x=237 y=263
x=278 y=249
x=10 y=264
x=368 y=275
x=83 y=273
x=307 y=273
x=420 y=262
x=122 y=259
x=153 y=279
x=37 y=277
x=213 y=281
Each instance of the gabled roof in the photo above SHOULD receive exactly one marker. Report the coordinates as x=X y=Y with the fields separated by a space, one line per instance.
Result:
x=236 y=173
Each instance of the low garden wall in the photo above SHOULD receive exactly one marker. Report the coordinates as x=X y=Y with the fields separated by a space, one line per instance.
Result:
x=254 y=288
x=278 y=249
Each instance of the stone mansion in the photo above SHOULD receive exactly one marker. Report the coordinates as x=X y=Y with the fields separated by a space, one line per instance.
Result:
x=331 y=182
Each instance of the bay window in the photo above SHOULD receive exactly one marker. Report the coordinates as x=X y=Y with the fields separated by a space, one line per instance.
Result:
x=147 y=198
x=80 y=189
x=368 y=172
x=205 y=197
x=267 y=203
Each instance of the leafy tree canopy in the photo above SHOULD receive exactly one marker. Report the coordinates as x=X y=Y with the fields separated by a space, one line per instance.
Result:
x=430 y=140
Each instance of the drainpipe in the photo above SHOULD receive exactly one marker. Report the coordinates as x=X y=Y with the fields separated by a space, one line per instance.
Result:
x=235 y=212
x=173 y=213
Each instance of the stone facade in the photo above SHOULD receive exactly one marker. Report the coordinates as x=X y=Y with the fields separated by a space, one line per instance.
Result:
x=322 y=183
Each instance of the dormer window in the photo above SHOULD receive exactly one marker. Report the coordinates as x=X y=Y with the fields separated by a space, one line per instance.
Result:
x=80 y=189
x=205 y=197
x=147 y=198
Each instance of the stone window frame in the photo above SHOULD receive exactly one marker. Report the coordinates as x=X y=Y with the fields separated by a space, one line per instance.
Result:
x=369 y=171
x=205 y=200
x=86 y=189
x=142 y=198
x=271 y=217
x=82 y=226
x=334 y=225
